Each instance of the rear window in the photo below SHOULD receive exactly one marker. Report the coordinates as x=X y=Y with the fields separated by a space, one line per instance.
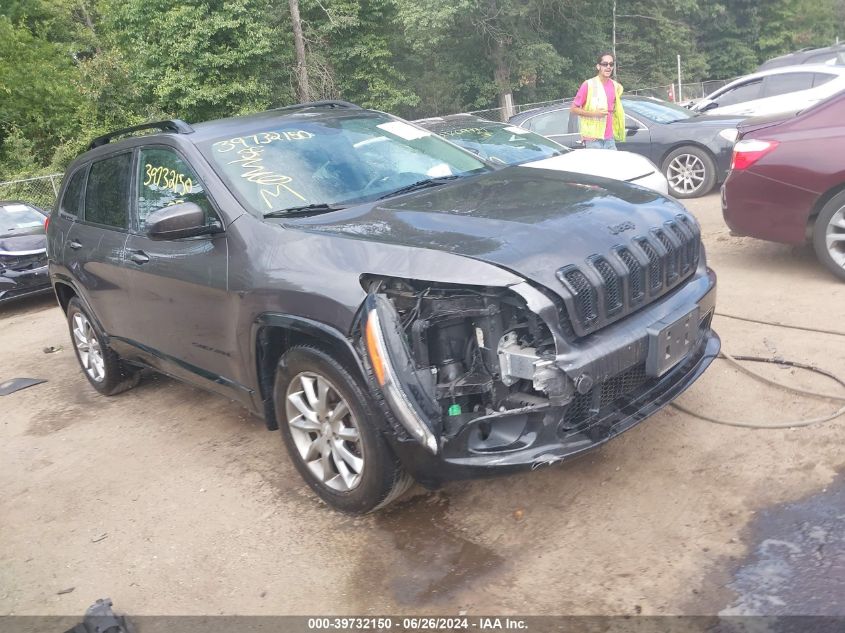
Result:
x=556 y=122
x=19 y=218
x=107 y=193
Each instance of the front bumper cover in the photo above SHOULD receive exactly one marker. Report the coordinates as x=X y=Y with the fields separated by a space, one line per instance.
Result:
x=15 y=284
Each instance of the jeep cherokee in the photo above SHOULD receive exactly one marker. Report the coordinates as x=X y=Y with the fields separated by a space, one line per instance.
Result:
x=398 y=308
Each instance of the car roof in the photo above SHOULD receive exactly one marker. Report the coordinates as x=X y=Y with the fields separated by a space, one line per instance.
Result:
x=796 y=56
x=200 y=132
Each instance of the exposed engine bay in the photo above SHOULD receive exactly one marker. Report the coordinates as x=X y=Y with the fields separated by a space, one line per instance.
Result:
x=477 y=352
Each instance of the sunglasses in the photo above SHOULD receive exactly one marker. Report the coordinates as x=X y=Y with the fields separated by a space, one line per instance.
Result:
x=606 y=64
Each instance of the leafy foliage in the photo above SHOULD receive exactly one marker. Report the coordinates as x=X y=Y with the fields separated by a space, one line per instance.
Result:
x=73 y=69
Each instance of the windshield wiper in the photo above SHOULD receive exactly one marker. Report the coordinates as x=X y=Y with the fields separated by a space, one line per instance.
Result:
x=420 y=184
x=303 y=210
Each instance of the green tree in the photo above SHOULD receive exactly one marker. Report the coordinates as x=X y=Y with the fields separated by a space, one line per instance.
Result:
x=200 y=59
x=38 y=100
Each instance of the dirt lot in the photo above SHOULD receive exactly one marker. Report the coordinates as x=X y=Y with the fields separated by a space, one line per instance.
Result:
x=173 y=501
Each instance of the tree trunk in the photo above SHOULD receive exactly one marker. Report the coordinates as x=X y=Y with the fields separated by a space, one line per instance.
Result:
x=502 y=76
x=303 y=92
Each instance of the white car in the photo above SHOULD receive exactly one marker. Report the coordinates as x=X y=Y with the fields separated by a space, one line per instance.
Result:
x=784 y=89
x=512 y=145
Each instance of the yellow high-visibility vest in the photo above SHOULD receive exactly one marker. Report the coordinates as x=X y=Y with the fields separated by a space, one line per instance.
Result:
x=597 y=99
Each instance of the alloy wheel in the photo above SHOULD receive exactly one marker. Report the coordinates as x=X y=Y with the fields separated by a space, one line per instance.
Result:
x=686 y=173
x=88 y=348
x=324 y=431
x=835 y=237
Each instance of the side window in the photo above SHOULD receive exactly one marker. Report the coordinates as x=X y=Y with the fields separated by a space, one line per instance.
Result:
x=821 y=78
x=556 y=122
x=740 y=94
x=107 y=192
x=164 y=179
x=775 y=85
x=73 y=194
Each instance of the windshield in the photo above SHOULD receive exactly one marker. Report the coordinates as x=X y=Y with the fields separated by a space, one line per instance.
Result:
x=20 y=218
x=658 y=111
x=310 y=161
x=500 y=143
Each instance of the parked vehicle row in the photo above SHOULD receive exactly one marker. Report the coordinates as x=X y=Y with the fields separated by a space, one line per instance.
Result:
x=693 y=152
x=399 y=308
x=513 y=145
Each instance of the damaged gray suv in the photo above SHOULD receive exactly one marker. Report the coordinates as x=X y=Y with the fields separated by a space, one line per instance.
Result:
x=399 y=309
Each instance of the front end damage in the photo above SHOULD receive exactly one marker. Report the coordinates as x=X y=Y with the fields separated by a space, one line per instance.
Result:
x=483 y=380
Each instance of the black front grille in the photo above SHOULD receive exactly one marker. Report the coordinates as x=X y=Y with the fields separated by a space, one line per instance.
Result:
x=608 y=287
x=585 y=408
x=585 y=296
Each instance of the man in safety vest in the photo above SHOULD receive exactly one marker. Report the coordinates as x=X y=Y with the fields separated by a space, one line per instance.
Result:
x=599 y=106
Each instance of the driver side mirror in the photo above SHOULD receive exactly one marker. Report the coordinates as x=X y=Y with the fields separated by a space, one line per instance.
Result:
x=178 y=221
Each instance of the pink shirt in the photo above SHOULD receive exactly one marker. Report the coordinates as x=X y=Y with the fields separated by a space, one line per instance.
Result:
x=610 y=91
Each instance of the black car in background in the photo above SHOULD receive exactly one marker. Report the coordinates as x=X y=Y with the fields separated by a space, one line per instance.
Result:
x=692 y=150
x=23 y=250
x=395 y=306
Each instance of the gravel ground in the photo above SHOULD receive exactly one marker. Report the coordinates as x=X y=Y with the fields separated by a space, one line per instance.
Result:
x=173 y=501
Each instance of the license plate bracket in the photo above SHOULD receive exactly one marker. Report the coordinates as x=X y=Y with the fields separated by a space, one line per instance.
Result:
x=670 y=340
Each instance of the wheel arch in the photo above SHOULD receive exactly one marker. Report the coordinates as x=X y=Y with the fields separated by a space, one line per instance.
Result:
x=820 y=204
x=64 y=293
x=274 y=334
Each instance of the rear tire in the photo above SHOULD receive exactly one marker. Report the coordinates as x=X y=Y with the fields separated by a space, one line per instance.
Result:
x=829 y=235
x=690 y=172
x=332 y=431
x=101 y=365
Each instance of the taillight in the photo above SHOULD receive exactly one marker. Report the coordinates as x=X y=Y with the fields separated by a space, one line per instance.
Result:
x=46 y=223
x=747 y=152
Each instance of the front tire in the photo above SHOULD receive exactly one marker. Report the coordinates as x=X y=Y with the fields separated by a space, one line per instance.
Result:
x=829 y=235
x=690 y=172
x=101 y=365
x=331 y=429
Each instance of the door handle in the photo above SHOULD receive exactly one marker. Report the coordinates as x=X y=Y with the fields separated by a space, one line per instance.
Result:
x=75 y=245
x=139 y=257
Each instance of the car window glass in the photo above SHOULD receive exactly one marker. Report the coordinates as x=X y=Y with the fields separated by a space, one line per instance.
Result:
x=107 y=192
x=787 y=82
x=164 y=179
x=19 y=218
x=295 y=161
x=501 y=143
x=556 y=122
x=740 y=94
x=821 y=78
x=73 y=193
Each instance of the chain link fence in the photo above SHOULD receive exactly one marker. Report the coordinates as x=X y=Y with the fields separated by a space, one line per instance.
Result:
x=40 y=191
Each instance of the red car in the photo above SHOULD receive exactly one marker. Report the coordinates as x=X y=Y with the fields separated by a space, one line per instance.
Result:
x=787 y=180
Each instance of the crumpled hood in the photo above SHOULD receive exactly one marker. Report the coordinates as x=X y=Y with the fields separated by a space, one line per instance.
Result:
x=23 y=244
x=598 y=162
x=529 y=221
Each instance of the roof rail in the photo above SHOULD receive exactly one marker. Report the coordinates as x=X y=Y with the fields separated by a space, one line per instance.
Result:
x=170 y=125
x=329 y=103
